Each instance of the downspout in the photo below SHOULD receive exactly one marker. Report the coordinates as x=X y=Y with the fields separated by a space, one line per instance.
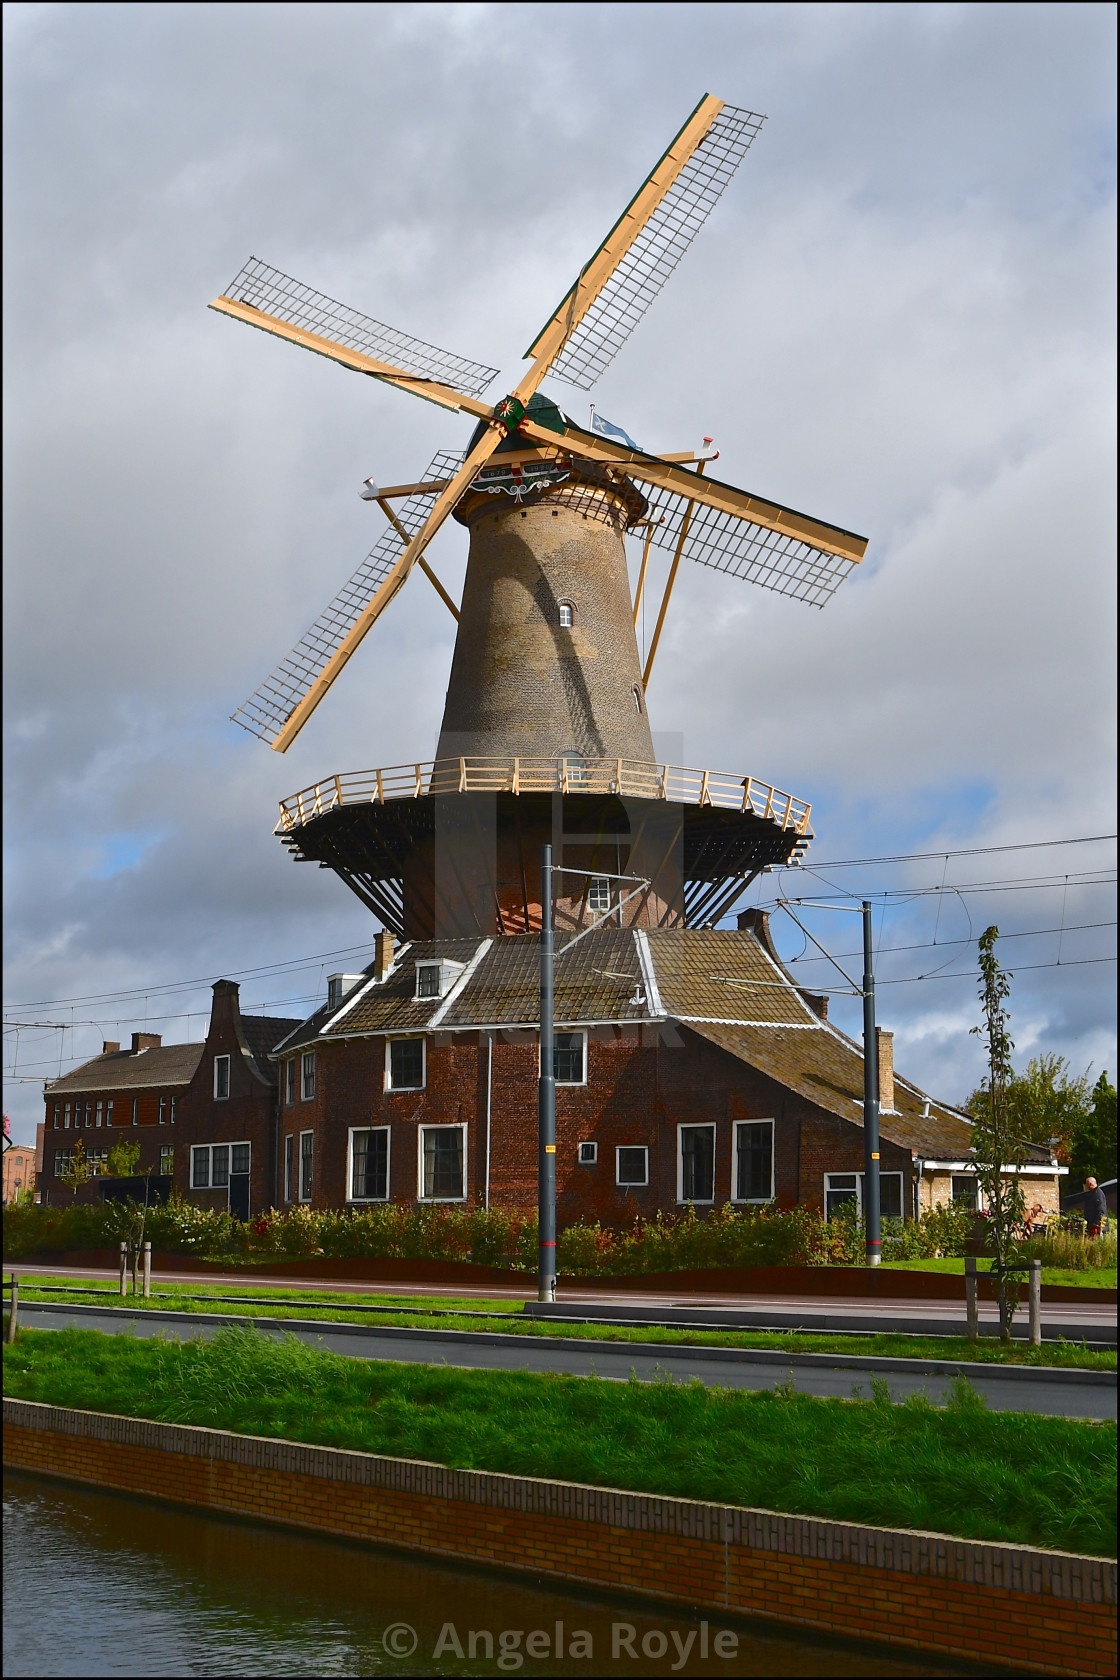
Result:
x=489 y=1082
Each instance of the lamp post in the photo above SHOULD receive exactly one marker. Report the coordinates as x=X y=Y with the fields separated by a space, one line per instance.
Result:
x=546 y=1100
x=871 y=1217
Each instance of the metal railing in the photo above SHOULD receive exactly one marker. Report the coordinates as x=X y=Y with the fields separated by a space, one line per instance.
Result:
x=621 y=776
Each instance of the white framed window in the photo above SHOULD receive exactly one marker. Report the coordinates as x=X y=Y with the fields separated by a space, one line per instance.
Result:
x=290 y=1081
x=66 y=1117
x=588 y=1154
x=163 y=1111
x=696 y=1163
x=752 y=1161
x=631 y=1165
x=846 y=1190
x=307 y=1076
x=569 y=1058
x=135 y=1111
x=167 y=1160
x=367 y=1171
x=637 y=693
x=435 y=979
x=964 y=1189
x=221 y=1078
x=63 y=1161
x=174 y=1104
x=290 y=1164
x=109 y=1110
x=306 y=1165
x=599 y=895
x=212 y=1164
x=58 y=1117
x=442 y=1162
x=99 y=1112
x=567 y=614
x=405 y=1064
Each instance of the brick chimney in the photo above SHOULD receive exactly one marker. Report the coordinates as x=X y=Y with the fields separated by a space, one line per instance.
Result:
x=384 y=946
x=109 y=1047
x=885 y=1043
x=146 y=1041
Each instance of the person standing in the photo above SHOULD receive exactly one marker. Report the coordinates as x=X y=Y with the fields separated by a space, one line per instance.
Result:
x=1095 y=1208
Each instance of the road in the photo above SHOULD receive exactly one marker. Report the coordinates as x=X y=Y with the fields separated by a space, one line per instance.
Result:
x=1087 y=1394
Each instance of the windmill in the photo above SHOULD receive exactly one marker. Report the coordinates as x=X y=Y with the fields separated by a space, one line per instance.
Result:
x=546 y=699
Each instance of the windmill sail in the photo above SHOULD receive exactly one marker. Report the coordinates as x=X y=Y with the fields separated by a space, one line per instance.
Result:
x=265 y=713
x=774 y=559
x=656 y=250
x=260 y=287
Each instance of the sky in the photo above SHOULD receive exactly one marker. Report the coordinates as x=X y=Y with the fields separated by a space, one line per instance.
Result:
x=899 y=319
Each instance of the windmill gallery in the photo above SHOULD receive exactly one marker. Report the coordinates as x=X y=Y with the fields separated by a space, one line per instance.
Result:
x=690 y=1068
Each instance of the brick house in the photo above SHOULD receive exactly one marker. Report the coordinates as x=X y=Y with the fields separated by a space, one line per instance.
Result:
x=204 y=1115
x=690 y=1066
x=20 y=1170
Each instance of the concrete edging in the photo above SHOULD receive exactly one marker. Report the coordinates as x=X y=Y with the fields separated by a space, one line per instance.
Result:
x=929 y=1591
x=666 y=1350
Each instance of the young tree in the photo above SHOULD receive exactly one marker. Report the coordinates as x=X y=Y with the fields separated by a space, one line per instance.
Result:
x=994 y=1142
x=80 y=1170
x=1093 y=1151
x=123 y=1158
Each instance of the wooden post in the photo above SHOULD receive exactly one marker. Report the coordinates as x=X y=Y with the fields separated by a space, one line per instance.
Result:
x=971 y=1307
x=1035 y=1302
x=13 y=1318
x=124 y=1268
x=147 y=1271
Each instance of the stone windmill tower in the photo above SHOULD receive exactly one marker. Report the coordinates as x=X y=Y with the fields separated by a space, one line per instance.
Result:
x=545 y=733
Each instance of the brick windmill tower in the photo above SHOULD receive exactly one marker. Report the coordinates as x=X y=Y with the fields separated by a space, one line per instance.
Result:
x=545 y=732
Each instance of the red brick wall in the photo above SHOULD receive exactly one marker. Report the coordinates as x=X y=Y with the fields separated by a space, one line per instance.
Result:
x=642 y=1083
x=1043 y=1612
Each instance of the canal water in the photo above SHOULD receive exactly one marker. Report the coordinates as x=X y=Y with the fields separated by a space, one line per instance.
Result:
x=103 y=1584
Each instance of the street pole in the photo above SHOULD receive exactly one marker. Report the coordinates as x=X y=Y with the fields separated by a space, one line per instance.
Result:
x=871 y=1222
x=546 y=1101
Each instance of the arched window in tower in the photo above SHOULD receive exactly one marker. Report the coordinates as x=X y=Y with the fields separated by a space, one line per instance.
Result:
x=637 y=693
x=567 y=615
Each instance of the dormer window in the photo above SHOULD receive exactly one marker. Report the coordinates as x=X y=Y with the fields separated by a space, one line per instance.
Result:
x=434 y=979
x=339 y=987
x=599 y=895
x=567 y=615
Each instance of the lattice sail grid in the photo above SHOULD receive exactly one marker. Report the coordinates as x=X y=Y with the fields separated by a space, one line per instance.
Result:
x=288 y=300
x=657 y=250
x=772 y=559
x=265 y=713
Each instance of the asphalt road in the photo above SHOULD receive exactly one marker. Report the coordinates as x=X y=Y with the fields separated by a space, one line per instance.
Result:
x=1063 y=1393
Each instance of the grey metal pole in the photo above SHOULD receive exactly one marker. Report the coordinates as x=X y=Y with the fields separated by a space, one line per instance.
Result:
x=546 y=1100
x=871 y=1222
x=124 y=1268
x=1035 y=1302
x=147 y=1270
x=971 y=1302
x=13 y=1317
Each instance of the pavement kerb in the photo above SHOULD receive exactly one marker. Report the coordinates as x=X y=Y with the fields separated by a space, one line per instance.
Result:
x=659 y=1350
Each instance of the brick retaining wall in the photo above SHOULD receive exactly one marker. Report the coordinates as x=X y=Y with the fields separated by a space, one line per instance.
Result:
x=1040 y=1611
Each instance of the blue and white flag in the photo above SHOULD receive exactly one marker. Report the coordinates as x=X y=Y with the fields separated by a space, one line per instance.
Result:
x=615 y=433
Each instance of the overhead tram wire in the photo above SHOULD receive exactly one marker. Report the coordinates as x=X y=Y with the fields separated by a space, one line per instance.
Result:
x=295 y=964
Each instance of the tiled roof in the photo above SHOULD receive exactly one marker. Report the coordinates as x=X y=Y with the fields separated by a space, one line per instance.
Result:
x=262 y=1034
x=596 y=982
x=723 y=975
x=825 y=1066
x=169 y=1064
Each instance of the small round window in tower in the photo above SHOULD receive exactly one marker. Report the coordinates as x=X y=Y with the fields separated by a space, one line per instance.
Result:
x=567 y=615
x=637 y=693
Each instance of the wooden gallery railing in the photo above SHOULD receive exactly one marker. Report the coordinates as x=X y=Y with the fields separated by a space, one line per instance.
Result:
x=533 y=775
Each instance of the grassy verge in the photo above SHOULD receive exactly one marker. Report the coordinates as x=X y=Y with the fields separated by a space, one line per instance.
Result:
x=505 y=1316
x=1093 y=1277
x=956 y=1470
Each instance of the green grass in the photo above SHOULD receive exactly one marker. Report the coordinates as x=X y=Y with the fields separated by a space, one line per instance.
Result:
x=505 y=1316
x=1093 y=1277
x=1002 y=1476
